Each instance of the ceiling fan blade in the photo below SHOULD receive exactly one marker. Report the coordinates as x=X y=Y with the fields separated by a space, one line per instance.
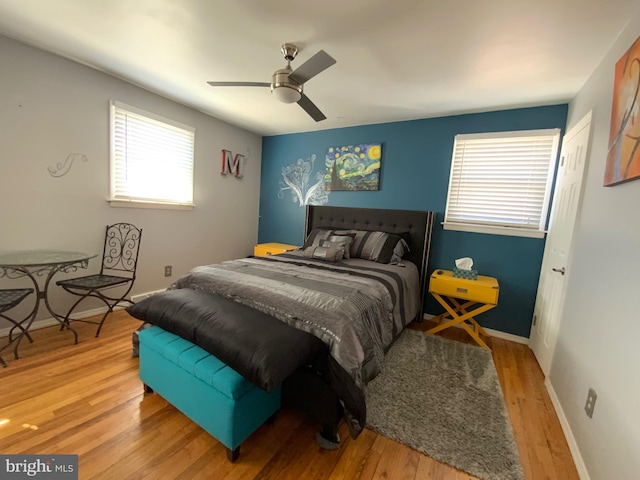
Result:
x=309 y=107
x=312 y=67
x=239 y=84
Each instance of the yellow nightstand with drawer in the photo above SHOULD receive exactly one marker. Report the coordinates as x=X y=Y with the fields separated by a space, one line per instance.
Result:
x=268 y=249
x=449 y=290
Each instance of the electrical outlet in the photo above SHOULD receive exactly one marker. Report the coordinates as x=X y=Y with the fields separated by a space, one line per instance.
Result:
x=167 y=270
x=591 y=402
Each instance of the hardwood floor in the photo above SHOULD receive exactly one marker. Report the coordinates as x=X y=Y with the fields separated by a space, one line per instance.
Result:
x=87 y=399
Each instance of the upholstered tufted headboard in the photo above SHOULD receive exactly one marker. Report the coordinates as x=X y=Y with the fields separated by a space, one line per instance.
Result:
x=418 y=224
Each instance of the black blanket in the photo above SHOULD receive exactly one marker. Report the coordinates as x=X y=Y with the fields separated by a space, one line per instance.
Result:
x=260 y=348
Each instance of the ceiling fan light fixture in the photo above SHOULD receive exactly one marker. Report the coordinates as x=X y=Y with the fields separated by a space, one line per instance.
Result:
x=286 y=93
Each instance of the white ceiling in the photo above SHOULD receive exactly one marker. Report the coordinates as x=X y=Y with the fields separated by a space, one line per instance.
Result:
x=396 y=60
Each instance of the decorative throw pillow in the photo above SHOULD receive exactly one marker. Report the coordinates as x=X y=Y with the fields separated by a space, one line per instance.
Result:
x=332 y=253
x=347 y=233
x=316 y=237
x=341 y=240
x=381 y=247
x=399 y=251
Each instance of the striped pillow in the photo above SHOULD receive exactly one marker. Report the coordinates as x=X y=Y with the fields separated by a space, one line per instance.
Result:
x=343 y=241
x=323 y=237
x=381 y=247
x=316 y=237
x=332 y=253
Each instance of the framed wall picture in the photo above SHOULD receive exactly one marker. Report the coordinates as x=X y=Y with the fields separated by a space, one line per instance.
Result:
x=353 y=167
x=623 y=157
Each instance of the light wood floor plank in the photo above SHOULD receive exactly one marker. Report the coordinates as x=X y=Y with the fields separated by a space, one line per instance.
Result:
x=352 y=461
x=87 y=399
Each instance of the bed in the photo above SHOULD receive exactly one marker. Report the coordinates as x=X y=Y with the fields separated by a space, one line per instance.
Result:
x=313 y=322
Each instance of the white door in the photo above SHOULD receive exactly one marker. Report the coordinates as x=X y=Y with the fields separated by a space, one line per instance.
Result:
x=554 y=272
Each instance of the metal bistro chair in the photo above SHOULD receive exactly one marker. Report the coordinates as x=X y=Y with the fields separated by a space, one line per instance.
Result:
x=10 y=298
x=119 y=261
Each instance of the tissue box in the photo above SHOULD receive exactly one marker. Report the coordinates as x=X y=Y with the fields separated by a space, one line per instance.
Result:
x=468 y=274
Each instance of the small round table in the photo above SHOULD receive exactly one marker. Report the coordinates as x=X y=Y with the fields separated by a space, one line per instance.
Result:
x=35 y=264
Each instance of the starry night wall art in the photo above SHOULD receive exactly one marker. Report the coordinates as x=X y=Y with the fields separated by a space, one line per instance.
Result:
x=353 y=167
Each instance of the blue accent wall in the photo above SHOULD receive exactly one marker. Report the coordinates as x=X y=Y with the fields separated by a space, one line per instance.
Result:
x=416 y=159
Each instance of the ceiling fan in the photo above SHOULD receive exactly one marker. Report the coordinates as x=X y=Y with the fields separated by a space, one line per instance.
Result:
x=286 y=83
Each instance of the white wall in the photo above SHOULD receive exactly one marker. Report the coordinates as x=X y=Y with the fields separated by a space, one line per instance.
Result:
x=598 y=344
x=51 y=107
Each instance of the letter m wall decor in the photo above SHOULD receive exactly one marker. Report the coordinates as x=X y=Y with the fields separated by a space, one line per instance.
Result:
x=231 y=164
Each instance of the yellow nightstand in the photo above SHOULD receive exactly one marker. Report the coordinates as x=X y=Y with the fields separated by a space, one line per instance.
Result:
x=448 y=290
x=268 y=249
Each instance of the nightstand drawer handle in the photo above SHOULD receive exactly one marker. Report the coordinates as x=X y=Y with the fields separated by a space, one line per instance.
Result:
x=461 y=290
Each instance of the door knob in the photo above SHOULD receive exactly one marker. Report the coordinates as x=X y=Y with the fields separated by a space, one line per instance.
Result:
x=559 y=270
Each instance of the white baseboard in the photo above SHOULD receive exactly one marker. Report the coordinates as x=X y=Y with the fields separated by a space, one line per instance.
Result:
x=568 y=433
x=494 y=333
x=142 y=296
x=48 y=322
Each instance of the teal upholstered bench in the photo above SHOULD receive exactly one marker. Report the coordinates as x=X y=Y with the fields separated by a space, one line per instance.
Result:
x=206 y=390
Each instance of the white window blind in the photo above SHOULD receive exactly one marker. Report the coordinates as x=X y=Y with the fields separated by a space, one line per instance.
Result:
x=151 y=158
x=502 y=180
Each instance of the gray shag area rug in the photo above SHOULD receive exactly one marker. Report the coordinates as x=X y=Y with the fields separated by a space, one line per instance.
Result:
x=443 y=398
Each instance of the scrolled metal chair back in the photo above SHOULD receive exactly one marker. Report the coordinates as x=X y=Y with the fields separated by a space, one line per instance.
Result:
x=121 y=247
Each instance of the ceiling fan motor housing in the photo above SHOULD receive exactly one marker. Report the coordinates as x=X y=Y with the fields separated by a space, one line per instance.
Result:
x=284 y=90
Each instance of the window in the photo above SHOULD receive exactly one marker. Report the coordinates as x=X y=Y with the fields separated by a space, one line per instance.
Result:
x=501 y=182
x=151 y=159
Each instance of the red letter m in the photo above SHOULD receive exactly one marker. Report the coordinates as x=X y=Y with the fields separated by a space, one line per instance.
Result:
x=232 y=165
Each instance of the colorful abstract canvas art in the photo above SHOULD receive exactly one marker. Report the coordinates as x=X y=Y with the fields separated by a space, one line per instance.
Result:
x=623 y=157
x=353 y=167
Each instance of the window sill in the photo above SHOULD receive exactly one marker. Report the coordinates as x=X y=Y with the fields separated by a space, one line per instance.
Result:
x=492 y=230
x=155 y=205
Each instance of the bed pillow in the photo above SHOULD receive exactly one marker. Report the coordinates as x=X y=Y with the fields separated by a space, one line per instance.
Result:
x=320 y=237
x=316 y=237
x=399 y=251
x=343 y=241
x=381 y=247
x=334 y=252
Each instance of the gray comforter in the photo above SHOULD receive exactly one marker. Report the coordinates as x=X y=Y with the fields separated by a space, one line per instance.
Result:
x=357 y=307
